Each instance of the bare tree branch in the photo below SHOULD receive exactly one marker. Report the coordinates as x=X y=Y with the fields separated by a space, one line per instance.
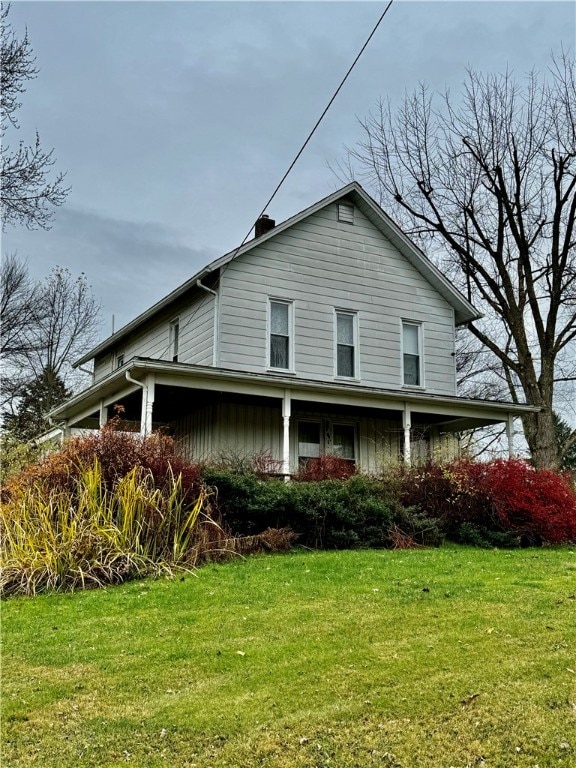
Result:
x=489 y=184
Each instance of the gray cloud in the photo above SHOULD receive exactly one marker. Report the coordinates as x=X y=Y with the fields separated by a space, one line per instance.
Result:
x=187 y=114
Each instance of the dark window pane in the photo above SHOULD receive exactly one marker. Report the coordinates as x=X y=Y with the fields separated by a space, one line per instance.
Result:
x=345 y=362
x=343 y=441
x=279 y=352
x=412 y=370
x=308 y=439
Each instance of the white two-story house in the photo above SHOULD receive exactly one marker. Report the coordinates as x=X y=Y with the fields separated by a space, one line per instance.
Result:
x=328 y=333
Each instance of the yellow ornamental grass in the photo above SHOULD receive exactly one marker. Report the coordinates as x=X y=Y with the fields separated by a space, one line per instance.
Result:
x=92 y=536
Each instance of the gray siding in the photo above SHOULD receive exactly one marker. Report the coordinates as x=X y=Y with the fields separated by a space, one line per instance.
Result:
x=234 y=429
x=239 y=431
x=321 y=264
x=196 y=317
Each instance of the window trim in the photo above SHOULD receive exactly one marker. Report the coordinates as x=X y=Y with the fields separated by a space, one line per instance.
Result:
x=420 y=328
x=290 y=304
x=326 y=428
x=119 y=360
x=356 y=346
x=174 y=331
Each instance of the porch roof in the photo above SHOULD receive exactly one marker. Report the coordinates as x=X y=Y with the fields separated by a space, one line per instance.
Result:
x=463 y=412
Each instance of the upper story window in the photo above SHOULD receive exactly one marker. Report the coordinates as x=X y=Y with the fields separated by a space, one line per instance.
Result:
x=174 y=339
x=120 y=360
x=346 y=343
x=346 y=213
x=280 y=335
x=412 y=354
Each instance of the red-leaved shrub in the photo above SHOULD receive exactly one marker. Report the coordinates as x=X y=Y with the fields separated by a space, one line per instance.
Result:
x=117 y=453
x=326 y=467
x=497 y=497
x=536 y=504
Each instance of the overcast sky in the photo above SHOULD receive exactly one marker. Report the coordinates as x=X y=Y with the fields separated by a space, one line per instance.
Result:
x=175 y=120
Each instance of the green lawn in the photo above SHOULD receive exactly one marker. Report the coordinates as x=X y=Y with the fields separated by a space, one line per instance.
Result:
x=449 y=657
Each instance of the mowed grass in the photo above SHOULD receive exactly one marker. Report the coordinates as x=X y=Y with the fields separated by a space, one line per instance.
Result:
x=449 y=657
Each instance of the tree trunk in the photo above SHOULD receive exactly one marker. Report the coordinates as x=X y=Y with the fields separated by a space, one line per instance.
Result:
x=541 y=438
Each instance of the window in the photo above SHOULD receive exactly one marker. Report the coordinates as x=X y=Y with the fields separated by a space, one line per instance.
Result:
x=280 y=337
x=343 y=441
x=346 y=213
x=308 y=441
x=120 y=360
x=346 y=344
x=174 y=338
x=316 y=438
x=411 y=354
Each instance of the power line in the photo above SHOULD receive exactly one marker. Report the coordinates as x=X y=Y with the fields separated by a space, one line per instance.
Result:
x=313 y=131
x=301 y=150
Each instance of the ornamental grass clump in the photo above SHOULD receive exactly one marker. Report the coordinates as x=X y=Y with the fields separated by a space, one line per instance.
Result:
x=90 y=535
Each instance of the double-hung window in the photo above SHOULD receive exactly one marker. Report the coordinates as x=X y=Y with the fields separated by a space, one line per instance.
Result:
x=412 y=354
x=280 y=341
x=346 y=343
x=174 y=339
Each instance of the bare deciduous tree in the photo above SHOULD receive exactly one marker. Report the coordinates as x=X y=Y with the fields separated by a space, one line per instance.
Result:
x=66 y=323
x=489 y=183
x=45 y=327
x=27 y=193
x=18 y=306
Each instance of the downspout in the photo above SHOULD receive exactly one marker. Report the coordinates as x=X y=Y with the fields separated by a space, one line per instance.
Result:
x=216 y=343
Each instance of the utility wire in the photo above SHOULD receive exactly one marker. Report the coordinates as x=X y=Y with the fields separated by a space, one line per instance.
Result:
x=313 y=131
x=300 y=151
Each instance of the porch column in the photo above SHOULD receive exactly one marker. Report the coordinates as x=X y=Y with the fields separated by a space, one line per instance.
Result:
x=286 y=412
x=102 y=414
x=510 y=435
x=407 y=426
x=147 y=405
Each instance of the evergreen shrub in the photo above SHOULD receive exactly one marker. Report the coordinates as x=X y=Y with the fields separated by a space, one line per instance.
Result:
x=360 y=511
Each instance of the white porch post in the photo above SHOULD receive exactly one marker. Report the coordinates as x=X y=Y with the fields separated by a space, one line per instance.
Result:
x=286 y=412
x=147 y=406
x=510 y=435
x=407 y=426
x=102 y=414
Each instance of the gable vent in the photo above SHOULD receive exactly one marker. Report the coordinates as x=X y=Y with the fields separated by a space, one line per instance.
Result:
x=346 y=213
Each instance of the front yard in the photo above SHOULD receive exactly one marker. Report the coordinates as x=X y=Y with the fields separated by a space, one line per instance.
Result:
x=445 y=657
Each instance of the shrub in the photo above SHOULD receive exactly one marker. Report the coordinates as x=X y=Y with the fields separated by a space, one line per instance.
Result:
x=537 y=505
x=498 y=503
x=15 y=456
x=261 y=464
x=93 y=535
x=117 y=453
x=335 y=514
x=326 y=467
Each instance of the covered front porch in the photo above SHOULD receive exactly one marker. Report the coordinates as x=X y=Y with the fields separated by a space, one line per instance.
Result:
x=212 y=411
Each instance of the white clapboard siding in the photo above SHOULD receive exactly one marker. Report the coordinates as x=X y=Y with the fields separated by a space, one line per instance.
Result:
x=152 y=339
x=322 y=264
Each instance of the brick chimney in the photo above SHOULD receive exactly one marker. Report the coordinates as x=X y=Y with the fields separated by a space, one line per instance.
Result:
x=263 y=225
